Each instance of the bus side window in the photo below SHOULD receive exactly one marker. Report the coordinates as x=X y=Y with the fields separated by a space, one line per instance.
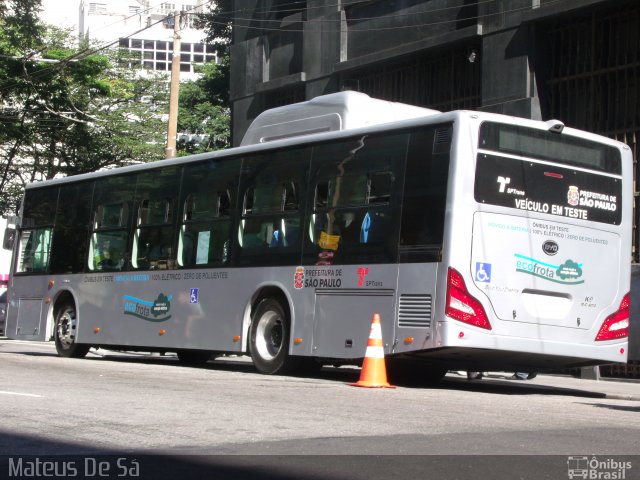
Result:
x=273 y=193
x=351 y=210
x=208 y=197
x=152 y=245
x=107 y=248
x=204 y=234
x=266 y=223
x=424 y=195
x=34 y=250
x=36 y=230
x=107 y=251
x=354 y=206
x=155 y=228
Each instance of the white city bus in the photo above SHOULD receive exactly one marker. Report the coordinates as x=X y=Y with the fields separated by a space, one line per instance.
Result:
x=483 y=241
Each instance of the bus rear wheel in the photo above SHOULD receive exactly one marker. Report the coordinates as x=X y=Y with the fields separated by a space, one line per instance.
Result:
x=65 y=334
x=269 y=338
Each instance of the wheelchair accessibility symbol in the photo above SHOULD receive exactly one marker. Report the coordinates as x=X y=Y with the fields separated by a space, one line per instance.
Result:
x=193 y=295
x=483 y=272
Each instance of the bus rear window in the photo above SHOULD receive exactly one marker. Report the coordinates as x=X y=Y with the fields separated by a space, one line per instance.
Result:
x=536 y=187
x=540 y=144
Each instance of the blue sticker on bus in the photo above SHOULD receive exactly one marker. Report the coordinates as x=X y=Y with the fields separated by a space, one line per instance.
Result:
x=483 y=272
x=151 y=311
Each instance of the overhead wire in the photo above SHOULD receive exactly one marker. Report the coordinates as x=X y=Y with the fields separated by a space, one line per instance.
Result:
x=374 y=29
x=343 y=5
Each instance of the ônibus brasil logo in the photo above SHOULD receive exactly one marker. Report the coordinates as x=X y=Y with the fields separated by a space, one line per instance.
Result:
x=597 y=469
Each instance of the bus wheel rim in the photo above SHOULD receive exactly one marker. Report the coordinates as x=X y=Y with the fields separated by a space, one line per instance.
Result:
x=66 y=328
x=269 y=335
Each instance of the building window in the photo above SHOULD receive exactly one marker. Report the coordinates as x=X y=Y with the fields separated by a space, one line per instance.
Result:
x=157 y=55
x=167 y=7
x=97 y=8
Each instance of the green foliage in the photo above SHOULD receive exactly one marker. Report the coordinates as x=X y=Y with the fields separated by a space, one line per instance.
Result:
x=205 y=105
x=80 y=113
x=204 y=109
x=69 y=109
x=218 y=22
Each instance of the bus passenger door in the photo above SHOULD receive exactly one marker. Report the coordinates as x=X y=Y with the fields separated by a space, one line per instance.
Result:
x=28 y=310
x=424 y=196
x=342 y=317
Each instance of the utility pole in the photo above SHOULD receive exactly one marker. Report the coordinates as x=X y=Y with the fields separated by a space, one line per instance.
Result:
x=174 y=92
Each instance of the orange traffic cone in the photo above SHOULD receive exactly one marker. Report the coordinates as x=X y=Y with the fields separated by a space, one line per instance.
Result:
x=374 y=372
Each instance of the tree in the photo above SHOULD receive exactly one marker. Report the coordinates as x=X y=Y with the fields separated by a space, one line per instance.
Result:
x=205 y=107
x=68 y=109
x=204 y=110
x=218 y=23
x=19 y=36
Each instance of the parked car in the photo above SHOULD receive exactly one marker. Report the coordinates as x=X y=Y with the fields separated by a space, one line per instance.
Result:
x=3 y=311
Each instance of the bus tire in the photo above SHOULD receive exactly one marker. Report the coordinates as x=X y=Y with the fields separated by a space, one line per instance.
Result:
x=65 y=333
x=194 y=358
x=269 y=338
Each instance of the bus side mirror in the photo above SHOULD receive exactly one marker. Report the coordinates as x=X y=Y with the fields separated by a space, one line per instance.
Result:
x=9 y=238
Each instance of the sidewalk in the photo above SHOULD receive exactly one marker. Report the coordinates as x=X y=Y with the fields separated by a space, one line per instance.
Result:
x=609 y=388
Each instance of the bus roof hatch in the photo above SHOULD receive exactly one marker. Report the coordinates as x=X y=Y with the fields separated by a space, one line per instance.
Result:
x=326 y=113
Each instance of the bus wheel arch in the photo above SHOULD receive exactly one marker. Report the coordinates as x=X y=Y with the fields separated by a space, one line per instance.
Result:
x=65 y=327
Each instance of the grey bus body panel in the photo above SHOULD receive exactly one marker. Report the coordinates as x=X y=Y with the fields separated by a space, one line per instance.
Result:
x=469 y=241
x=28 y=310
x=525 y=284
x=204 y=309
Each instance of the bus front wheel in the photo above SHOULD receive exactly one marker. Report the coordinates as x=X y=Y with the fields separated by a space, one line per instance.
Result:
x=66 y=331
x=269 y=338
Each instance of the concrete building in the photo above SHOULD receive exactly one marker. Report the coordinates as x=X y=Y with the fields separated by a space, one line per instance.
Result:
x=142 y=26
x=574 y=60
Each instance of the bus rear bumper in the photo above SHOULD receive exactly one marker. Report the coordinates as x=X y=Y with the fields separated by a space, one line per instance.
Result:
x=487 y=351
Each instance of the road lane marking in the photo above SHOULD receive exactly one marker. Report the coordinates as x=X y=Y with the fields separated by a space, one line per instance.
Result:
x=21 y=394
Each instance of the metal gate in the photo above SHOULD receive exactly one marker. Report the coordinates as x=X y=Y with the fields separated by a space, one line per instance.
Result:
x=593 y=77
x=445 y=81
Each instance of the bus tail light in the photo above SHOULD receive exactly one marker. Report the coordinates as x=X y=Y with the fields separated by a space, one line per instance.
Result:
x=616 y=325
x=461 y=305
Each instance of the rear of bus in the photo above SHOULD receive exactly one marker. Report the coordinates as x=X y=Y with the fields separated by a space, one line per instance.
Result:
x=538 y=247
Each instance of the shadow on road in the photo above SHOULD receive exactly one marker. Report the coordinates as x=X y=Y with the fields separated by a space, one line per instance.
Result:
x=35 y=456
x=495 y=386
x=39 y=457
x=351 y=374
x=624 y=408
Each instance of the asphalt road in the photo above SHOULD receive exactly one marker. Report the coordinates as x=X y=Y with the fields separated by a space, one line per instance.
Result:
x=225 y=418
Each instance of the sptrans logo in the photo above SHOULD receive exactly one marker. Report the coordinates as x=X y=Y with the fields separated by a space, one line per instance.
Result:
x=596 y=468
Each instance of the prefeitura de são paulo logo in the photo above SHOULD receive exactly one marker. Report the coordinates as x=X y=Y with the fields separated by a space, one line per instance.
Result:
x=573 y=196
